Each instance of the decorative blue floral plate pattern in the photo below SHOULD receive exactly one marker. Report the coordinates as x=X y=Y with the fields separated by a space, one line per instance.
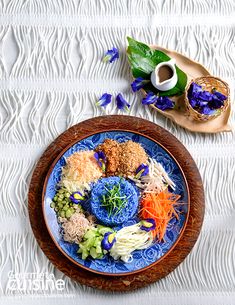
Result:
x=141 y=258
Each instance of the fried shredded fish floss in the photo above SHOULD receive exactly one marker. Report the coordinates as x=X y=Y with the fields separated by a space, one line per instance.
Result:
x=81 y=169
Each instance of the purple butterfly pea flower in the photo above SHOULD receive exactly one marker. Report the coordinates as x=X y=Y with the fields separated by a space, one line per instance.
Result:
x=111 y=55
x=216 y=103
x=101 y=159
x=193 y=102
x=219 y=95
x=122 y=104
x=204 y=101
x=139 y=83
x=148 y=224
x=194 y=90
x=164 y=103
x=201 y=103
x=142 y=170
x=150 y=98
x=205 y=96
x=104 y=100
x=206 y=110
x=196 y=87
x=76 y=197
x=108 y=241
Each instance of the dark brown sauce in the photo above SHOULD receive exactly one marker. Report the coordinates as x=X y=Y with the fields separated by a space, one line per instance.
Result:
x=164 y=73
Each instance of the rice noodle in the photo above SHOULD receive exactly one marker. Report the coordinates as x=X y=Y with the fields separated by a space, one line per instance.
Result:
x=129 y=239
x=75 y=227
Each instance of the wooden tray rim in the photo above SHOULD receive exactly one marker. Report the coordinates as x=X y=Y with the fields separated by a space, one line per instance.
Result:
x=125 y=282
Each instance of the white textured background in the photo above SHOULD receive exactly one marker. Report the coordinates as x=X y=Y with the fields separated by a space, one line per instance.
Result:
x=50 y=77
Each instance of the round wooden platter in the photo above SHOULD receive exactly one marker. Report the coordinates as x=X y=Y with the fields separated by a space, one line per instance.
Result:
x=184 y=245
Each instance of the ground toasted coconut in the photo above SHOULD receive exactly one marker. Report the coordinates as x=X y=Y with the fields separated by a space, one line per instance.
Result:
x=132 y=155
x=122 y=158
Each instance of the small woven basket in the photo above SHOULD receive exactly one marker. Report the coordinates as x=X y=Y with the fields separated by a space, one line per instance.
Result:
x=208 y=83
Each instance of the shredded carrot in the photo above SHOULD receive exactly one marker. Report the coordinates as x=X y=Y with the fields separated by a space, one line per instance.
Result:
x=160 y=207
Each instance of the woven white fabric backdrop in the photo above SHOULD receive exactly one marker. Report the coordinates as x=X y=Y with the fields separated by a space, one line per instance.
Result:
x=50 y=76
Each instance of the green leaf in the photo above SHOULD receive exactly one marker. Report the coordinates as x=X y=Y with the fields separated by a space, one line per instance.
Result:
x=143 y=61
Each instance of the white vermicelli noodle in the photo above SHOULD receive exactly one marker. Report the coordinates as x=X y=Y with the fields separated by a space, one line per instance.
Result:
x=129 y=239
x=75 y=227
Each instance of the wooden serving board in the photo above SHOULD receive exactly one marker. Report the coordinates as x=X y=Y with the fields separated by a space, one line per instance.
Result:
x=193 y=70
x=164 y=266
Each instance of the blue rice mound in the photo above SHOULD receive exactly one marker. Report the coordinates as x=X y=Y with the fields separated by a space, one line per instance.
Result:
x=127 y=212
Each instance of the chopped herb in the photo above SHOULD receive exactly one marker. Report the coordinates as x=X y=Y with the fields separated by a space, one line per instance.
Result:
x=113 y=201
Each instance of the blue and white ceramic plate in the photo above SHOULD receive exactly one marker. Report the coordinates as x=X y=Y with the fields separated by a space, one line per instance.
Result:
x=142 y=259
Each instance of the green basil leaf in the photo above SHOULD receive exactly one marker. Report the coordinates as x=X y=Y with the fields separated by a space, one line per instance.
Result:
x=143 y=61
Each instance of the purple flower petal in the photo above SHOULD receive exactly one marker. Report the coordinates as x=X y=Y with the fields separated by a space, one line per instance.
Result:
x=194 y=90
x=138 y=83
x=193 y=102
x=150 y=98
x=196 y=87
x=201 y=103
x=205 y=96
x=206 y=110
x=76 y=197
x=142 y=170
x=164 y=103
x=100 y=155
x=219 y=95
x=104 y=100
x=111 y=55
x=96 y=155
x=122 y=103
x=101 y=159
x=216 y=103
x=108 y=241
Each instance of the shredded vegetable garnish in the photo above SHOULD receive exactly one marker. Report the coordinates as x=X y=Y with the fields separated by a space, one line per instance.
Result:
x=161 y=208
x=157 y=179
x=129 y=239
x=81 y=168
